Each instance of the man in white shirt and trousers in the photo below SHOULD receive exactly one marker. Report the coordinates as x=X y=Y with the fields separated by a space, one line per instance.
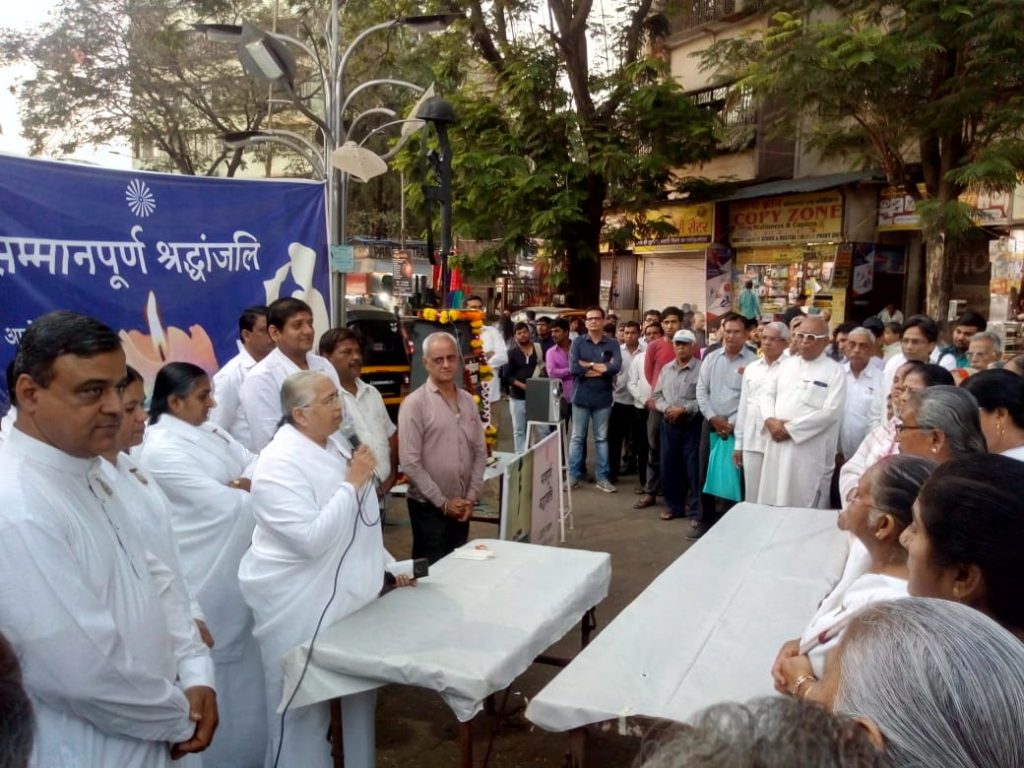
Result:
x=748 y=451
x=803 y=407
x=364 y=405
x=496 y=353
x=116 y=671
x=255 y=344
x=290 y=323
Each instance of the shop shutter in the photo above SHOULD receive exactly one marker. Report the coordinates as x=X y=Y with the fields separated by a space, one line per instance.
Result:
x=674 y=280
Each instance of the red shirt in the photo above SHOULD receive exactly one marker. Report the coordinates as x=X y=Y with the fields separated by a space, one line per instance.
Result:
x=660 y=352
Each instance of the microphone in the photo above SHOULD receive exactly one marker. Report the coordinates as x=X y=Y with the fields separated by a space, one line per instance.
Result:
x=348 y=431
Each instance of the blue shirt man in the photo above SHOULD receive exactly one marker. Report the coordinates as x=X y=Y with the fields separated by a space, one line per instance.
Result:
x=594 y=361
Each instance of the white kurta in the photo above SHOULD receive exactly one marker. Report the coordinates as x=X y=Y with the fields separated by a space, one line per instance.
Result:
x=213 y=525
x=836 y=609
x=7 y=423
x=307 y=519
x=227 y=391
x=150 y=510
x=809 y=397
x=261 y=392
x=79 y=604
x=750 y=439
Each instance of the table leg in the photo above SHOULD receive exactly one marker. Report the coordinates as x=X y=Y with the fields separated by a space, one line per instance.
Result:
x=466 y=744
x=577 y=757
x=588 y=625
x=337 y=746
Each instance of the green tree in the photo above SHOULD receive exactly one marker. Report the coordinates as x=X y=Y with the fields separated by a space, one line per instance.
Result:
x=129 y=69
x=930 y=90
x=551 y=137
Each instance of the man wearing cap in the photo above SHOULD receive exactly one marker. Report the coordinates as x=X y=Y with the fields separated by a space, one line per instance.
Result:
x=675 y=397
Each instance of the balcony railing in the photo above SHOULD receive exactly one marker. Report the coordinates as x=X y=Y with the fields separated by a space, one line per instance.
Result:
x=698 y=13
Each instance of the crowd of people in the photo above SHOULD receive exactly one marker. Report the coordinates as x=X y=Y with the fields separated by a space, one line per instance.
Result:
x=158 y=561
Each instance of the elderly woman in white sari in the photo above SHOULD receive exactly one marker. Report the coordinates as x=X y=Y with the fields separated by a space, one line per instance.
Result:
x=877 y=513
x=317 y=555
x=202 y=469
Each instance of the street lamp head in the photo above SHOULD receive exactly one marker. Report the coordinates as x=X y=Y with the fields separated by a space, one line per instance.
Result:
x=436 y=110
x=358 y=162
x=265 y=57
x=432 y=23
x=220 y=33
x=239 y=139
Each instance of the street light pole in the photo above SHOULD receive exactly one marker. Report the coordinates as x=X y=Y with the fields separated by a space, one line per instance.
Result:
x=265 y=56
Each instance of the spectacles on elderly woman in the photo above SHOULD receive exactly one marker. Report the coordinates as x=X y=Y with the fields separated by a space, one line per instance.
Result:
x=329 y=401
x=904 y=427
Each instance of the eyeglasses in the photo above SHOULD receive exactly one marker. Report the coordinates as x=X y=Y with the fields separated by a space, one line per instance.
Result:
x=901 y=428
x=329 y=401
x=809 y=336
x=595 y=317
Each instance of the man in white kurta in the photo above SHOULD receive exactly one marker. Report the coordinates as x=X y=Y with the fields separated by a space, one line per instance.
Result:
x=106 y=664
x=254 y=345
x=803 y=408
x=313 y=529
x=751 y=441
x=199 y=470
x=290 y=323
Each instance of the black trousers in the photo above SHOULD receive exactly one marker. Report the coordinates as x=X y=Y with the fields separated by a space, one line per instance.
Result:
x=680 y=475
x=618 y=430
x=434 y=534
x=638 y=429
x=653 y=480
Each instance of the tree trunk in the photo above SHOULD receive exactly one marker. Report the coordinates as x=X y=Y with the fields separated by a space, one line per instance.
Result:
x=584 y=267
x=940 y=262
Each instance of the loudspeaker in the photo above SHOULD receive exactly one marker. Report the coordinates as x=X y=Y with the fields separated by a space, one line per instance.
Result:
x=542 y=399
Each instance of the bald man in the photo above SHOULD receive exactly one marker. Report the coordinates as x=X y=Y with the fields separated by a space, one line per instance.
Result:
x=803 y=409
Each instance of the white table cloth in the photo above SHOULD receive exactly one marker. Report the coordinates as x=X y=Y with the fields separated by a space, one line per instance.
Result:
x=709 y=627
x=466 y=631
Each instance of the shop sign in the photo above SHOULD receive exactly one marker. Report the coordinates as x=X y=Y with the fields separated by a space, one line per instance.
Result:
x=809 y=218
x=897 y=210
x=694 y=225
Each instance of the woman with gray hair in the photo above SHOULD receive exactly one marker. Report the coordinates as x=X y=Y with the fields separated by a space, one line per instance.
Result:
x=933 y=682
x=940 y=423
x=317 y=555
x=767 y=733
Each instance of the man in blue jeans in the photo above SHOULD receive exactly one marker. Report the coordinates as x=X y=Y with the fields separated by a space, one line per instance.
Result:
x=594 y=360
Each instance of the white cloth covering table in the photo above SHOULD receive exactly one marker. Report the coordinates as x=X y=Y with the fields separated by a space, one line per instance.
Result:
x=708 y=628
x=466 y=631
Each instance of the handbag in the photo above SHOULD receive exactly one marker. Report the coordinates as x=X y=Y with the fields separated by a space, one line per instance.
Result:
x=723 y=478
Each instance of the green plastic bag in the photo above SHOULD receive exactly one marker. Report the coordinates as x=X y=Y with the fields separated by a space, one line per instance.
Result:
x=723 y=479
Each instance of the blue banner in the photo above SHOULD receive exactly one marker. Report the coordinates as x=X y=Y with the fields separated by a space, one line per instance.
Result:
x=168 y=261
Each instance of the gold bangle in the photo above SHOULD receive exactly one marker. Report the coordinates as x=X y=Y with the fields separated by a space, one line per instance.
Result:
x=795 y=690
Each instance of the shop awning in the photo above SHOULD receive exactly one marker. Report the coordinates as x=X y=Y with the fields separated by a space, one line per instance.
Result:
x=806 y=184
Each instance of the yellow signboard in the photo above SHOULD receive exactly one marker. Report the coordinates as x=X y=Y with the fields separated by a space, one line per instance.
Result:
x=694 y=225
x=808 y=218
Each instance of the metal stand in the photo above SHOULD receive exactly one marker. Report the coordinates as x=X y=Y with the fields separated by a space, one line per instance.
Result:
x=565 y=494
